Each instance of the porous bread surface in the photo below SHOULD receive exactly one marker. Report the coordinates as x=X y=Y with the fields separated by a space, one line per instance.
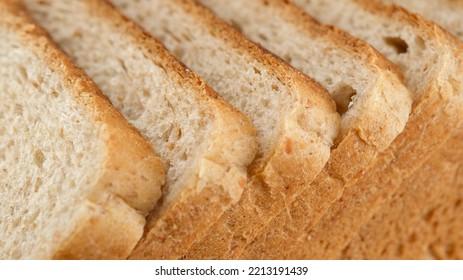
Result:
x=423 y=219
x=58 y=154
x=32 y=144
x=374 y=103
x=430 y=60
x=257 y=92
x=204 y=143
x=294 y=118
x=176 y=125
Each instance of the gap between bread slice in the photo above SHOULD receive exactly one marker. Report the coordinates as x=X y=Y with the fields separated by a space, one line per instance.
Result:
x=295 y=119
x=204 y=143
x=74 y=175
x=373 y=102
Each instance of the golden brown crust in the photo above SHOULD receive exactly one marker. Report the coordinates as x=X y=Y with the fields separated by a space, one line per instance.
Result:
x=180 y=223
x=347 y=159
x=429 y=125
x=307 y=154
x=423 y=219
x=131 y=170
x=221 y=175
x=326 y=239
x=102 y=224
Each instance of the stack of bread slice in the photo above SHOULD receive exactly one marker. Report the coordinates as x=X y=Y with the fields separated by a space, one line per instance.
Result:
x=430 y=59
x=424 y=216
x=372 y=100
x=295 y=119
x=204 y=143
x=230 y=130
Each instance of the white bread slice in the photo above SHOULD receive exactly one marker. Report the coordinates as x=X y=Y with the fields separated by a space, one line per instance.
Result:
x=431 y=60
x=427 y=223
x=372 y=118
x=76 y=180
x=205 y=143
x=295 y=118
x=446 y=13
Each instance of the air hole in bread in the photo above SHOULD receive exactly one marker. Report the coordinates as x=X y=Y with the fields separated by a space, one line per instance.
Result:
x=183 y=156
x=37 y=184
x=39 y=158
x=166 y=135
x=329 y=81
x=398 y=44
x=34 y=84
x=343 y=97
x=287 y=58
x=263 y=37
x=178 y=52
x=18 y=109
x=146 y=93
x=77 y=34
x=265 y=103
x=236 y=25
x=122 y=64
x=23 y=73
x=420 y=43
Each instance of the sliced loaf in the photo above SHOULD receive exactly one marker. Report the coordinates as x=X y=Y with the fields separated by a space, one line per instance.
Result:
x=76 y=180
x=205 y=143
x=366 y=87
x=431 y=61
x=424 y=218
x=295 y=118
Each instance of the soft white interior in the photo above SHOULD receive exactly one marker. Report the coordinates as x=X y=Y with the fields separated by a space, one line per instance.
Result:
x=399 y=42
x=152 y=97
x=240 y=80
x=50 y=153
x=446 y=13
x=342 y=75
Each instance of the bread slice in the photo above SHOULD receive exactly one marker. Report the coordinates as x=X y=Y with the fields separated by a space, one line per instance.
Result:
x=205 y=143
x=431 y=61
x=369 y=94
x=427 y=223
x=295 y=118
x=77 y=181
